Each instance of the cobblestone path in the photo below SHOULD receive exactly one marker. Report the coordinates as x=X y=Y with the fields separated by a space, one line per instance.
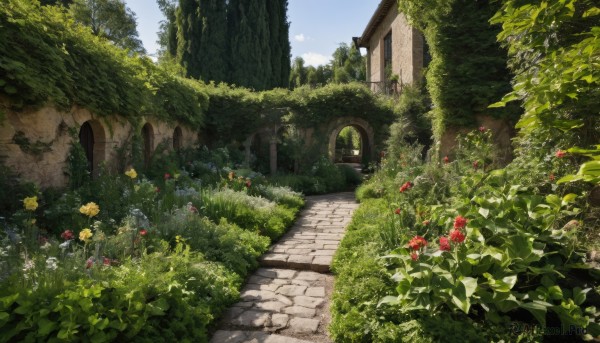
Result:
x=287 y=300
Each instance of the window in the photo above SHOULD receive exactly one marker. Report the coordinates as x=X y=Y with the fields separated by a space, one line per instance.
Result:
x=387 y=51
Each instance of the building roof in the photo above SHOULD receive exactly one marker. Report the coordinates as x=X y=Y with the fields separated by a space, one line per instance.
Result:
x=380 y=13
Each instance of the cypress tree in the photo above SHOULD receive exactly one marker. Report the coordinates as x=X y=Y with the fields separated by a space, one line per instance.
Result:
x=249 y=47
x=213 y=41
x=280 y=43
x=189 y=30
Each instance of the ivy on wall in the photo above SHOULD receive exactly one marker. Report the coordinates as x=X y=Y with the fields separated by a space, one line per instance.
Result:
x=468 y=68
x=45 y=57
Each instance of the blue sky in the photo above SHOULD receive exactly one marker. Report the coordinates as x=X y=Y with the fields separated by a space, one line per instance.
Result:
x=317 y=26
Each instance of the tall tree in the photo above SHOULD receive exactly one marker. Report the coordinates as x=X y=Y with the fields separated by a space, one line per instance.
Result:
x=280 y=43
x=110 y=19
x=249 y=49
x=189 y=29
x=167 y=34
x=213 y=41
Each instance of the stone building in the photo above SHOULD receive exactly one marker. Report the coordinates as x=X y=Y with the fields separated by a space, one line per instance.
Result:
x=396 y=52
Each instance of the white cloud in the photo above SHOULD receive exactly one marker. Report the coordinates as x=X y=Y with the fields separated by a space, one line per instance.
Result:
x=315 y=59
x=300 y=37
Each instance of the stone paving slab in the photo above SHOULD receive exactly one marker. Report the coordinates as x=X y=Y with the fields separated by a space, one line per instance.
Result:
x=288 y=299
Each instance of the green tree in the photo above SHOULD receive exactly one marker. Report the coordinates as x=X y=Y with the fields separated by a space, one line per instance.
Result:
x=167 y=34
x=189 y=27
x=280 y=43
x=249 y=49
x=298 y=73
x=56 y=2
x=348 y=64
x=110 y=19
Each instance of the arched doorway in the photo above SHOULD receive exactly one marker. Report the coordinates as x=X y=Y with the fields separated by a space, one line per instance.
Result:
x=362 y=129
x=148 y=137
x=177 y=138
x=92 y=139
x=348 y=146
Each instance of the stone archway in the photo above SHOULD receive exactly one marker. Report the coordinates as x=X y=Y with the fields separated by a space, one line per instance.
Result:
x=92 y=138
x=364 y=129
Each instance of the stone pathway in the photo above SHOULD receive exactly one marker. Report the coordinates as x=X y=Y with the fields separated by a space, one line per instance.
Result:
x=288 y=299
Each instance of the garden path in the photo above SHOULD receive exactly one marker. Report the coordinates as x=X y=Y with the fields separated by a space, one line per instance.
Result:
x=287 y=300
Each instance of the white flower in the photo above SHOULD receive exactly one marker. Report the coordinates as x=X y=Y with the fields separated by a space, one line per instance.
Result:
x=65 y=245
x=51 y=263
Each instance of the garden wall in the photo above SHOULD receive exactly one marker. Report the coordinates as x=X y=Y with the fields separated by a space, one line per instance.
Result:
x=36 y=143
x=502 y=130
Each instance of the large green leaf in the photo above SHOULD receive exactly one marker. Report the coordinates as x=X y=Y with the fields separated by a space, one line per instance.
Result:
x=538 y=309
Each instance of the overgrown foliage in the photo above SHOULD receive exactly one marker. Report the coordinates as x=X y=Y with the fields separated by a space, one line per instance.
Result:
x=468 y=68
x=47 y=57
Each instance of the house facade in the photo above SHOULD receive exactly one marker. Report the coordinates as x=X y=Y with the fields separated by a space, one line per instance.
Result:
x=395 y=50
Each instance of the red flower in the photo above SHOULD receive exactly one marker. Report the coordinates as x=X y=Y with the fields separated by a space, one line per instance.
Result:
x=457 y=236
x=406 y=186
x=248 y=183
x=426 y=222
x=397 y=211
x=476 y=164
x=414 y=256
x=417 y=243
x=446 y=159
x=460 y=222
x=143 y=232
x=167 y=176
x=67 y=235
x=106 y=261
x=482 y=129
x=560 y=153
x=444 y=244
x=552 y=177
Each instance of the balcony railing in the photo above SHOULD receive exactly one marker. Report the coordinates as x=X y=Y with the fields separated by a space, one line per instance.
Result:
x=385 y=87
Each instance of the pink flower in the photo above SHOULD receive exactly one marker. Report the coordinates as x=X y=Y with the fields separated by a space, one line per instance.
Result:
x=67 y=235
x=417 y=243
x=248 y=183
x=397 y=211
x=482 y=129
x=446 y=159
x=460 y=222
x=560 y=153
x=457 y=236
x=444 y=244
x=414 y=256
x=167 y=176
x=106 y=261
x=89 y=263
x=143 y=232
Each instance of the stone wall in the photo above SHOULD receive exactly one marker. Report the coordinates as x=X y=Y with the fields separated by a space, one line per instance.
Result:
x=36 y=143
x=502 y=132
x=407 y=49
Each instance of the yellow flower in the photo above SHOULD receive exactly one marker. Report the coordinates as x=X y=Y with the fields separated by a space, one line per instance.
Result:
x=131 y=173
x=30 y=203
x=231 y=176
x=90 y=209
x=85 y=235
